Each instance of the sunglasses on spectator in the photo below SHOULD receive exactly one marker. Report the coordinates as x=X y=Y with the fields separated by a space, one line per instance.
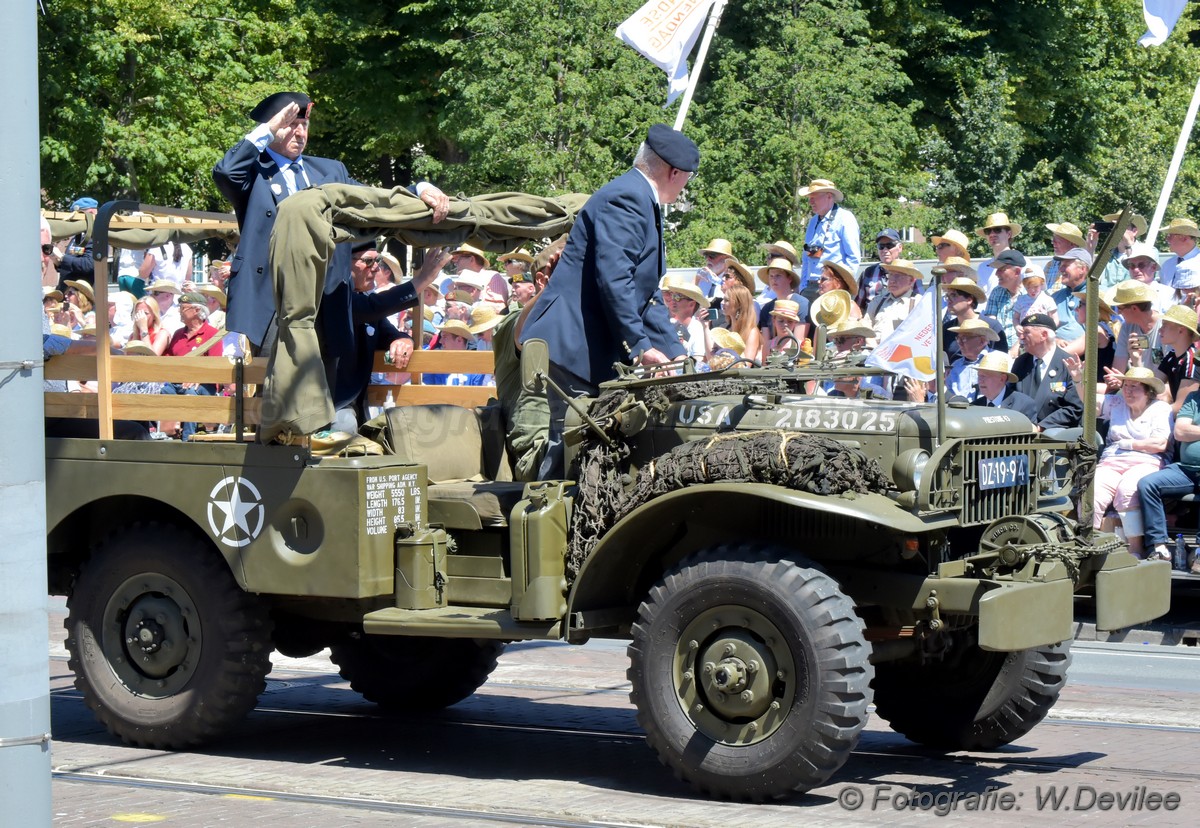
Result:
x=990 y=230
x=942 y=245
x=1142 y=265
x=370 y=261
x=676 y=297
x=886 y=245
x=957 y=294
x=714 y=256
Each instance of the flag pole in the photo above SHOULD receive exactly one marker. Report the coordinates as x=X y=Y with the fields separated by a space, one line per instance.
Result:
x=714 y=20
x=1176 y=161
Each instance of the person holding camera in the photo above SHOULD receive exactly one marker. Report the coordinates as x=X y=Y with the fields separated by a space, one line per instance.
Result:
x=832 y=231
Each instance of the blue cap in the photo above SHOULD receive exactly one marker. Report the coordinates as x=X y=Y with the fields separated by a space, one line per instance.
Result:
x=889 y=233
x=674 y=147
x=84 y=203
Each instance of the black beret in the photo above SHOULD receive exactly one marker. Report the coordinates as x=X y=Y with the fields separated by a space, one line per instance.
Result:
x=674 y=147
x=1039 y=320
x=271 y=104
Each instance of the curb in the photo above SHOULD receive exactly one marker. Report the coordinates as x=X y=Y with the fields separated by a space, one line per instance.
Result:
x=1167 y=634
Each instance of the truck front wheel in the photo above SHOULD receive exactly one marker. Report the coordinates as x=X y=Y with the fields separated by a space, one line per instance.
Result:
x=167 y=650
x=750 y=673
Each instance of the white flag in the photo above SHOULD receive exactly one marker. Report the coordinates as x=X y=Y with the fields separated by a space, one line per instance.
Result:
x=1161 y=17
x=664 y=31
x=908 y=350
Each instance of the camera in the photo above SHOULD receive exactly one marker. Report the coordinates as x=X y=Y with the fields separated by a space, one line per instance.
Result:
x=1104 y=227
x=815 y=251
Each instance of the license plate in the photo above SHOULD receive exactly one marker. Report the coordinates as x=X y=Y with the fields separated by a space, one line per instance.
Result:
x=1004 y=472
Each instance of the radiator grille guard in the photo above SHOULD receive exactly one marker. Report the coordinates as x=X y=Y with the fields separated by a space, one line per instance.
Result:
x=956 y=484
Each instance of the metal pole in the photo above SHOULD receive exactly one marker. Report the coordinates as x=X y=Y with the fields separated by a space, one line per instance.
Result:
x=714 y=20
x=24 y=642
x=939 y=355
x=1185 y=133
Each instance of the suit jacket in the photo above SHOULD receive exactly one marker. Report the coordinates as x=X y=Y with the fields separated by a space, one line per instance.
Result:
x=602 y=304
x=372 y=332
x=254 y=184
x=1057 y=401
x=1015 y=401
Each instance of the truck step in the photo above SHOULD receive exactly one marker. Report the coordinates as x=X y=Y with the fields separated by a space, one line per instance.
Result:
x=458 y=622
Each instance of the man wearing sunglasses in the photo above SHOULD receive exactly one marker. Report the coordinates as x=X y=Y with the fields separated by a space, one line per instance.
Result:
x=873 y=279
x=999 y=232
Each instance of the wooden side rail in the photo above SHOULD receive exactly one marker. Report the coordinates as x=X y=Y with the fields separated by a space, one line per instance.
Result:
x=212 y=370
x=436 y=362
x=195 y=409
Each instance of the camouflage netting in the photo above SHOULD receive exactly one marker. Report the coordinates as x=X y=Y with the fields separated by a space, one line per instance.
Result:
x=799 y=461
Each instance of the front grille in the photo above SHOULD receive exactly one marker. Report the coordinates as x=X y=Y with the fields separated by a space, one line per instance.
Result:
x=957 y=484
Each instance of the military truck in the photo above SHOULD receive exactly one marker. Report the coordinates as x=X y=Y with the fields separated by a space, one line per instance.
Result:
x=777 y=560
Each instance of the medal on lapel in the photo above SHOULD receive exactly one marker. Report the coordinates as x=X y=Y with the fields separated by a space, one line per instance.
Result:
x=276 y=189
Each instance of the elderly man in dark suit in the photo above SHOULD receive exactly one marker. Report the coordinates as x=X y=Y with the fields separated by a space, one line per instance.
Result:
x=1042 y=374
x=602 y=306
x=995 y=374
x=255 y=175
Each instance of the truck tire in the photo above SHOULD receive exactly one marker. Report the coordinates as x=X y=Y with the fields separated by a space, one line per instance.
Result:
x=973 y=699
x=412 y=673
x=750 y=673
x=166 y=649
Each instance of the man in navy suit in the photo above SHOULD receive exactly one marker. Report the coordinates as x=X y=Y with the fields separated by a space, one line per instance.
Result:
x=995 y=374
x=602 y=306
x=1042 y=374
x=255 y=175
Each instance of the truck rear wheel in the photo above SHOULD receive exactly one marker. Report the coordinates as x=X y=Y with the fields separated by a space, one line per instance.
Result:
x=974 y=699
x=413 y=673
x=750 y=673
x=167 y=650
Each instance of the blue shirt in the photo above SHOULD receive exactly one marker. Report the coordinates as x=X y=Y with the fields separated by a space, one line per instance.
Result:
x=1068 y=326
x=837 y=232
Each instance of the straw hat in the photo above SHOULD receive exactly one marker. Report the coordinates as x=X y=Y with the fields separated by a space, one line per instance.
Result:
x=957 y=238
x=822 y=185
x=49 y=292
x=1183 y=316
x=997 y=361
x=138 y=348
x=676 y=284
x=516 y=256
x=786 y=309
x=456 y=326
x=472 y=278
x=964 y=285
x=61 y=330
x=1137 y=220
x=1181 y=227
x=721 y=247
x=1106 y=310
x=471 y=249
x=960 y=265
x=906 y=267
x=484 y=317
x=843 y=271
x=213 y=291
x=725 y=338
x=88 y=330
x=830 y=308
x=1145 y=376
x=163 y=286
x=392 y=264
x=779 y=263
x=998 y=220
x=781 y=250
x=743 y=273
x=1068 y=231
x=1132 y=292
x=850 y=327
x=976 y=327
x=81 y=287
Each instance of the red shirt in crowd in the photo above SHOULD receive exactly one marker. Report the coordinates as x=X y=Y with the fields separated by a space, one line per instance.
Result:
x=183 y=343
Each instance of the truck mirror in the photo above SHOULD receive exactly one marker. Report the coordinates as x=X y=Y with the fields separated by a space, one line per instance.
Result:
x=535 y=365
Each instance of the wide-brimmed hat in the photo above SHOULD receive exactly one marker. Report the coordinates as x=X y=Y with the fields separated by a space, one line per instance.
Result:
x=163 y=286
x=844 y=272
x=786 y=309
x=1183 y=316
x=821 y=185
x=850 y=327
x=976 y=327
x=213 y=291
x=1137 y=220
x=1182 y=227
x=1145 y=376
x=779 y=264
x=957 y=238
x=831 y=308
x=50 y=292
x=1132 y=292
x=721 y=247
x=469 y=248
x=81 y=287
x=781 y=250
x=998 y=220
x=742 y=272
x=471 y=278
x=59 y=329
x=392 y=264
x=516 y=256
x=456 y=326
x=965 y=285
x=906 y=267
x=87 y=330
x=677 y=284
x=1106 y=309
x=1068 y=231
x=1139 y=250
x=997 y=361
x=725 y=338
x=956 y=264
x=484 y=317
x=135 y=347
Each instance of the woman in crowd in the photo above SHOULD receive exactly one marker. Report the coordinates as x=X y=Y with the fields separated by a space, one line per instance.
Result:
x=741 y=314
x=1106 y=342
x=836 y=276
x=1138 y=434
x=148 y=327
x=80 y=303
x=783 y=281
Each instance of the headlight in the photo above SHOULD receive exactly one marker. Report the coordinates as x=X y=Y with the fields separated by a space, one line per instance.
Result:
x=907 y=470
